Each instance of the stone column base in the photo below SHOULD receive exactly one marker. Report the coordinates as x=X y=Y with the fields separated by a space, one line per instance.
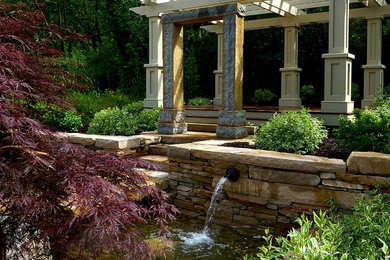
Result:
x=217 y=101
x=232 y=124
x=342 y=107
x=232 y=132
x=172 y=121
x=173 y=128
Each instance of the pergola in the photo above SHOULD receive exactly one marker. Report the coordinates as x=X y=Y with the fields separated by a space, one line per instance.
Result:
x=164 y=73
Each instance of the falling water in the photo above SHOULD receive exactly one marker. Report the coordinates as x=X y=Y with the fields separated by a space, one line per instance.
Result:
x=192 y=238
x=213 y=203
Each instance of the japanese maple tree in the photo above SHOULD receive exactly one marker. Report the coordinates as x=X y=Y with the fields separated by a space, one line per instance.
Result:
x=54 y=196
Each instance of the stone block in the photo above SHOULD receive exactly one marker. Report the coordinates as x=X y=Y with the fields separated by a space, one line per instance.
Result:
x=249 y=189
x=202 y=179
x=177 y=151
x=183 y=204
x=245 y=221
x=232 y=204
x=184 y=188
x=246 y=199
x=198 y=201
x=342 y=184
x=204 y=193
x=264 y=210
x=265 y=216
x=167 y=128
x=150 y=139
x=273 y=175
x=364 y=179
x=117 y=142
x=269 y=159
x=328 y=175
x=82 y=139
x=191 y=167
x=369 y=163
x=247 y=213
x=282 y=219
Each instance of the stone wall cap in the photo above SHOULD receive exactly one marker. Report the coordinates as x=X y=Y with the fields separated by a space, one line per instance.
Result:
x=266 y=158
x=370 y=163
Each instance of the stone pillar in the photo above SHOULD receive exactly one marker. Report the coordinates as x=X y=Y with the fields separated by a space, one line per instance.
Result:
x=219 y=71
x=232 y=119
x=290 y=72
x=338 y=62
x=374 y=70
x=172 y=116
x=154 y=70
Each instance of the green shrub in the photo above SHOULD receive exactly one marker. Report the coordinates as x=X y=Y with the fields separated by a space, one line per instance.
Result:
x=91 y=102
x=307 y=94
x=129 y=120
x=199 y=101
x=291 y=131
x=57 y=117
x=263 y=96
x=363 y=235
x=368 y=131
x=355 y=92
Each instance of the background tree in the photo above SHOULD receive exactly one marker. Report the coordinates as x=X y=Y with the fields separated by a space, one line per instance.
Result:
x=54 y=196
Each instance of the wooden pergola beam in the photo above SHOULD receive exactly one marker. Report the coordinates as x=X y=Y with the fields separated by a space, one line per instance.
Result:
x=359 y=13
x=279 y=7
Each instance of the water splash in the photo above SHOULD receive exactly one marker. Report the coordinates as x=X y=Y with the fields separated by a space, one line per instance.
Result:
x=213 y=204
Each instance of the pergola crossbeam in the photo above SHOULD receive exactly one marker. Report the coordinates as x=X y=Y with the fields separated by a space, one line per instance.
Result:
x=374 y=3
x=279 y=7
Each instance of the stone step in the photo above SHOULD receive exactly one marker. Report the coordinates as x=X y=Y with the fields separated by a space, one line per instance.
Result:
x=211 y=128
x=160 y=161
x=158 y=149
x=157 y=178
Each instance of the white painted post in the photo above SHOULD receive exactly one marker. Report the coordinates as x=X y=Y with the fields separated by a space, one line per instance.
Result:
x=219 y=71
x=290 y=72
x=338 y=62
x=374 y=70
x=154 y=70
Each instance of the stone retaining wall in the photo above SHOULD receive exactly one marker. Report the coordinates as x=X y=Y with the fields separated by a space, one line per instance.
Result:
x=274 y=188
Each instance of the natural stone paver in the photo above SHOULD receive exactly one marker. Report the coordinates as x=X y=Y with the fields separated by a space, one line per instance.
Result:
x=369 y=163
x=159 y=160
x=364 y=179
x=158 y=178
x=117 y=142
x=83 y=139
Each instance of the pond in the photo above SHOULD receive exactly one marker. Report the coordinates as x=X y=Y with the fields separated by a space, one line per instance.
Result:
x=222 y=243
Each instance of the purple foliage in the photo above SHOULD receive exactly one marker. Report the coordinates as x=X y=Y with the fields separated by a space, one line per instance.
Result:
x=54 y=194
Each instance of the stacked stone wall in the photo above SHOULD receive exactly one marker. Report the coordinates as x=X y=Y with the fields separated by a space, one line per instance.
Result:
x=274 y=188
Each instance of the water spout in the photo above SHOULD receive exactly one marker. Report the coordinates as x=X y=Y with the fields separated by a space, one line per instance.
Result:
x=213 y=203
x=232 y=174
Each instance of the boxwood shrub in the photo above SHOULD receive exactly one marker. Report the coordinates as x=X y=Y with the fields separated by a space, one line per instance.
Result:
x=291 y=131
x=129 y=120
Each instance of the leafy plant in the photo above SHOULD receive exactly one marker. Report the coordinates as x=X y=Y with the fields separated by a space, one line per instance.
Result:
x=355 y=92
x=263 y=96
x=369 y=130
x=55 y=196
x=307 y=94
x=129 y=120
x=90 y=102
x=56 y=117
x=363 y=235
x=291 y=131
x=199 y=101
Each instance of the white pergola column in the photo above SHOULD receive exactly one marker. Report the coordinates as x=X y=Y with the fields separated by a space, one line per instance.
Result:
x=338 y=62
x=374 y=70
x=290 y=72
x=219 y=71
x=154 y=69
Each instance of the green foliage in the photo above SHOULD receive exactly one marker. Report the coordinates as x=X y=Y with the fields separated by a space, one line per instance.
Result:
x=307 y=94
x=363 y=235
x=57 y=117
x=89 y=103
x=369 y=130
x=263 y=96
x=355 y=92
x=199 y=101
x=129 y=120
x=291 y=131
